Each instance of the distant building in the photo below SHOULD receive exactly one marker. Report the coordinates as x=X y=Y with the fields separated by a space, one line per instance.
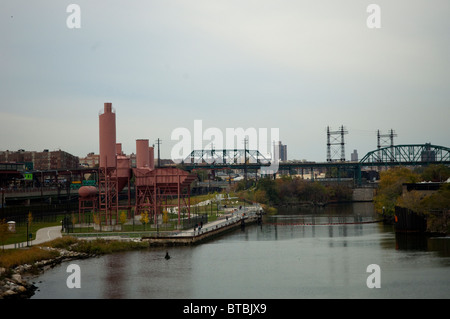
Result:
x=91 y=160
x=45 y=160
x=282 y=151
x=428 y=156
x=132 y=158
x=354 y=156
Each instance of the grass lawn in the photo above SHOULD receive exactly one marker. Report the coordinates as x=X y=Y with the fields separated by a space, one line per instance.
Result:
x=21 y=231
x=211 y=210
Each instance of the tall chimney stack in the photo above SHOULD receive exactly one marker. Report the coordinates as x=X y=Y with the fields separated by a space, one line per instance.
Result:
x=107 y=127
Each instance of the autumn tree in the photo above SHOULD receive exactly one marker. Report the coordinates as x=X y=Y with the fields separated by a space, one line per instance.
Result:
x=390 y=188
x=439 y=200
x=260 y=196
x=123 y=218
x=96 y=218
x=165 y=216
x=438 y=209
x=269 y=186
x=412 y=200
x=144 y=218
x=436 y=173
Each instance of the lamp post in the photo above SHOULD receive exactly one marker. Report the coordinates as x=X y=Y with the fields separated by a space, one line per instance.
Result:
x=29 y=219
x=27 y=233
x=69 y=184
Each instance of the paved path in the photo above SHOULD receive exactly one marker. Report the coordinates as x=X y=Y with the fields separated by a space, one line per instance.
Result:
x=227 y=219
x=50 y=233
x=42 y=235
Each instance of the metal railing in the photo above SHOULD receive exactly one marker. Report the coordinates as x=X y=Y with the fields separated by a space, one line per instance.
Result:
x=235 y=217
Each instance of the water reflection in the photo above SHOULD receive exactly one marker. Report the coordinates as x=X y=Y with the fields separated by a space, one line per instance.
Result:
x=331 y=221
x=282 y=258
x=114 y=276
x=420 y=242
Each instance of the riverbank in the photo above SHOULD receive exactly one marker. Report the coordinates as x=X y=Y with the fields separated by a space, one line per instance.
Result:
x=20 y=266
x=15 y=282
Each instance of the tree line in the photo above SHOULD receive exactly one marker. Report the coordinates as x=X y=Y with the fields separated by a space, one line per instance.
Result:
x=435 y=206
x=292 y=190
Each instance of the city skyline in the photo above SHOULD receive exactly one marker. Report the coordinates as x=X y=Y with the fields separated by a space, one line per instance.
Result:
x=297 y=66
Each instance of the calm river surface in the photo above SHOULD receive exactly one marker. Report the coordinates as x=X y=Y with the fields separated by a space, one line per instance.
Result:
x=280 y=259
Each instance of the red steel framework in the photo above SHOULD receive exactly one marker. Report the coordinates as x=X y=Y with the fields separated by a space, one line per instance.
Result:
x=87 y=201
x=157 y=189
x=108 y=196
x=161 y=189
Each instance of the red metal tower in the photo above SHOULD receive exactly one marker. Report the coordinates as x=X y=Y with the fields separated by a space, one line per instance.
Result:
x=107 y=178
x=158 y=189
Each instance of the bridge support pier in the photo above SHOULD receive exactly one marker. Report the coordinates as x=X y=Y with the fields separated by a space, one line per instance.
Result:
x=358 y=175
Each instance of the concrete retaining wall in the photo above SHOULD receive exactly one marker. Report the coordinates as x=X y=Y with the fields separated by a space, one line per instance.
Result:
x=363 y=194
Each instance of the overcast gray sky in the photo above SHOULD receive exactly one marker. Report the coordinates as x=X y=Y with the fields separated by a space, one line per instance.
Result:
x=296 y=65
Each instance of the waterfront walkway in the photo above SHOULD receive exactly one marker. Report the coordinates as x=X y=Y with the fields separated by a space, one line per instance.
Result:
x=50 y=233
x=229 y=218
x=42 y=235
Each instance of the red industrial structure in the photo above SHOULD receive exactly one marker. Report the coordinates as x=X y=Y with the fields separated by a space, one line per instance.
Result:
x=157 y=189
x=87 y=201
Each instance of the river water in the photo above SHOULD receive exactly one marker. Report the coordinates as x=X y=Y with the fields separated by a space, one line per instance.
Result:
x=297 y=253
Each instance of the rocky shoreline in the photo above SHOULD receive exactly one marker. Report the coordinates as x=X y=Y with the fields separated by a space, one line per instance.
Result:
x=15 y=283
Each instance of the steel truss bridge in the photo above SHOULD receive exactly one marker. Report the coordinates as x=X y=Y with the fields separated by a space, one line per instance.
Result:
x=415 y=154
x=252 y=160
x=227 y=156
x=397 y=155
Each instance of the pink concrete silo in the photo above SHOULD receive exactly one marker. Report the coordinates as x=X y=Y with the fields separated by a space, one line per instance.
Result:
x=107 y=125
x=123 y=168
x=123 y=172
x=151 y=157
x=119 y=149
x=142 y=153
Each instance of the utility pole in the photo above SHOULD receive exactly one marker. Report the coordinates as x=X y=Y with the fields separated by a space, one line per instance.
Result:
x=245 y=160
x=158 y=141
x=342 y=144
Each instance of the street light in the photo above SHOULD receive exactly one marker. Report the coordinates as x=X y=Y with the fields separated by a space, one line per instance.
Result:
x=27 y=234
x=69 y=184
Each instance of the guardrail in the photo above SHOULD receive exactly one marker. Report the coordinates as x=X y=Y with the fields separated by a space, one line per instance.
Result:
x=235 y=217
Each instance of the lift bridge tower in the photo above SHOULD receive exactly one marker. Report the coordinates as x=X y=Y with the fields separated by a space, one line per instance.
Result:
x=386 y=140
x=335 y=143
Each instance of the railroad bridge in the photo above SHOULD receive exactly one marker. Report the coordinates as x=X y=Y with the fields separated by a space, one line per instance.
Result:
x=396 y=155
